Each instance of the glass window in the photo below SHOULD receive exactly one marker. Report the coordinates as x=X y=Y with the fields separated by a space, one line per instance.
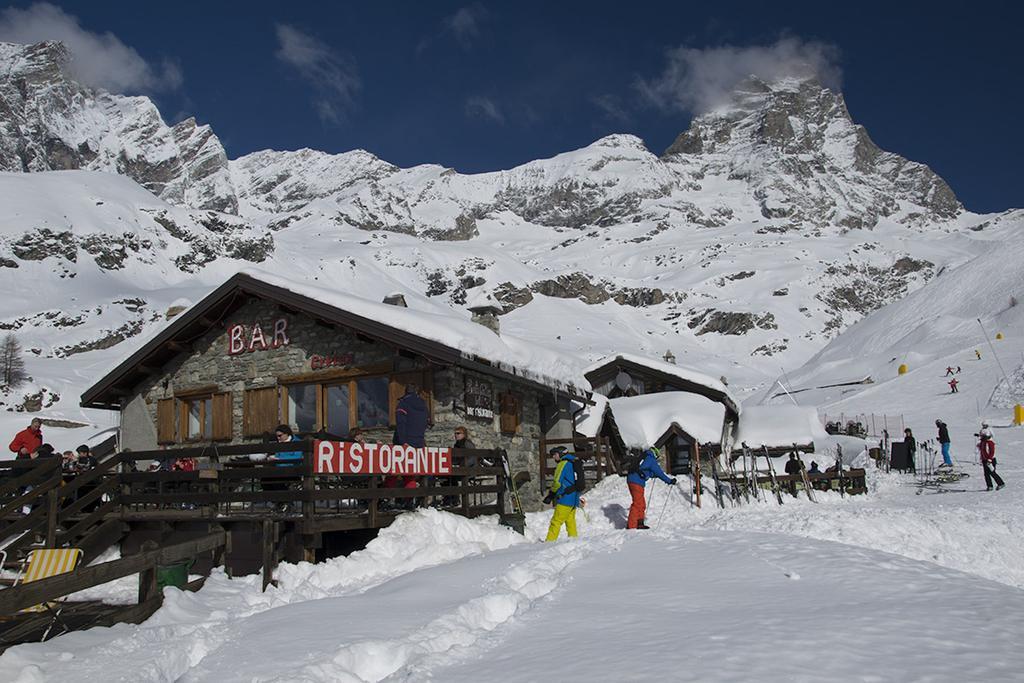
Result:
x=372 y=407
x=337 y=410
x=302 y=406
x=200 y=418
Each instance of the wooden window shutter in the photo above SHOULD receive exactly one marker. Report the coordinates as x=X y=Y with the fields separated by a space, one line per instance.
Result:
x=165 y=421
x=509 y=406
x=223 y=409
x=260 y=411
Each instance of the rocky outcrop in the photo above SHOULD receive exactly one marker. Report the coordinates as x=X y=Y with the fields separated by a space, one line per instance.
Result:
x=49 y=122
x=805 y=160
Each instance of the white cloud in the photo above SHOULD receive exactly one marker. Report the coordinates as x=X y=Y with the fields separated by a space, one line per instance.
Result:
x=465 y=24
x=612 y=107
x=480 y=107
x=334 y=76
x=98 y=59
x=698 y=80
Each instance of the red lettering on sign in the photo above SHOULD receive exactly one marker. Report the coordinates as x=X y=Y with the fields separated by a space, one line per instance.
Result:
x=318 y=362
x=256 y=339
x=280 y=333
x=257 y=342
x=236 y=344
x=342 y=457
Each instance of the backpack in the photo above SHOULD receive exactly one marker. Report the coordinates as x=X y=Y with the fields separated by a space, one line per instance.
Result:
x=581 y=478
x=631 y=463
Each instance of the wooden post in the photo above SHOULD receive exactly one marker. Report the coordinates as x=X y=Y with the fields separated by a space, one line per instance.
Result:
x=147 y=577
x=503 y=481
x=308 y=484
x=51 y=517
x=371 y=508
x=269 y=556
x=696 y=470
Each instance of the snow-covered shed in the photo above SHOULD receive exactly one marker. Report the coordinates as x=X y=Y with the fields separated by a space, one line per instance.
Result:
x=779 y=428
x=681 y=424
x=261 y=350
x=625 y=374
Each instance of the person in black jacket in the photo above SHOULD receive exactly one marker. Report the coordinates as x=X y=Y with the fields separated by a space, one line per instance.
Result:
x=908 y=438
x=947 y=460
x=793 y=468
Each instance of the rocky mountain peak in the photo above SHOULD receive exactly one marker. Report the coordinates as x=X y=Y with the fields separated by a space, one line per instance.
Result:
x=796 y=144
x=49 y=121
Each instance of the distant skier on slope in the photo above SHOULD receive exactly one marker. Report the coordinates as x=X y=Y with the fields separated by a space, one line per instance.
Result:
x=952 y=386
x=949 y=370
x=947 y=461
x=987 y=447
x=566 y=486
x=977 y=354
x=644 y=468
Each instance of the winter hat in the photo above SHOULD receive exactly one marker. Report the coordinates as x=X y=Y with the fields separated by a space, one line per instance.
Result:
x=558 y=450
x=82 y=449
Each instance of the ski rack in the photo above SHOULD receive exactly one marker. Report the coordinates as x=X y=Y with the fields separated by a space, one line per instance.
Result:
x=807 y=481
x=771 y=474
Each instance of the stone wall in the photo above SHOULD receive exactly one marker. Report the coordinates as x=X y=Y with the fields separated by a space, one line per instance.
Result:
x=208 y=363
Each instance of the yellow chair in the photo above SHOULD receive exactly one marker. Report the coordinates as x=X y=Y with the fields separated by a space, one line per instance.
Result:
x=42 y=564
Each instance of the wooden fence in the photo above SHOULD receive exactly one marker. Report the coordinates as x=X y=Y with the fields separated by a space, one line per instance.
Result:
x=21 y=626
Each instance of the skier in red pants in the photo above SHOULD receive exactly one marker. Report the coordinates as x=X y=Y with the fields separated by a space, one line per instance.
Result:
x=637 y=481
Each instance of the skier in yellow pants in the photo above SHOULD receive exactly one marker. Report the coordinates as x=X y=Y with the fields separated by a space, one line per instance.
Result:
x=564 y=493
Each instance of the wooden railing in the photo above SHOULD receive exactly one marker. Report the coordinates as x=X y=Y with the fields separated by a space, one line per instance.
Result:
x=225 y=487
x=145 y=564
x=63 y=512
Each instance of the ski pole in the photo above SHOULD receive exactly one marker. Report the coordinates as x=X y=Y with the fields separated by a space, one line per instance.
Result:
x=662 y=513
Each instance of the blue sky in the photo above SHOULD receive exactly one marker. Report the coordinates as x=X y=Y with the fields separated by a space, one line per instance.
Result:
x=483 y=86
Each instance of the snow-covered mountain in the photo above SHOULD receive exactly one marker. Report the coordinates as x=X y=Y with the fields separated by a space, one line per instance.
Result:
x=48 y=122
x=769 y=226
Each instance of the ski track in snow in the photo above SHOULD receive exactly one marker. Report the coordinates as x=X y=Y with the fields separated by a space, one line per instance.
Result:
x=470 y=627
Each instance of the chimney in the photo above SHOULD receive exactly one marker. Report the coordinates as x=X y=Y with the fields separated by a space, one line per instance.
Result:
x=395 y=300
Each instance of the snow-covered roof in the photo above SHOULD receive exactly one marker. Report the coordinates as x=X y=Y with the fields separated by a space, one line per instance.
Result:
x=436 y=334
x=590 y=419
x=642 y=420
x=779 y=426
x=472 y=340
x=682 y=373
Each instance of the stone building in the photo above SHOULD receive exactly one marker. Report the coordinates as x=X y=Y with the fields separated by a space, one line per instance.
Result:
x=260 y=351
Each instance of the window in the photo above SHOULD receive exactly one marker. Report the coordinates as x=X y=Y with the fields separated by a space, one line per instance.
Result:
x=372 y=402
x=511 y=412
x=198 y=417
x=336 y=406
x=302 y=406
x=338 y=409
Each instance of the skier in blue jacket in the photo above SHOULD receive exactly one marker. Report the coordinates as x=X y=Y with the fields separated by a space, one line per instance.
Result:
x=564 y=493
x=637 y=482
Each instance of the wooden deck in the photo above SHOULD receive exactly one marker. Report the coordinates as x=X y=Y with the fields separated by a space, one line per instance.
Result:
x=262 y=512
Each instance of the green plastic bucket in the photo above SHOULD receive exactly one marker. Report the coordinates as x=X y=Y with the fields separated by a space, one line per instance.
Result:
x=173 y=574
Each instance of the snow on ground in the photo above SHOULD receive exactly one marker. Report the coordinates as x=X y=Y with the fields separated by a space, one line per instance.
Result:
x=870 y=587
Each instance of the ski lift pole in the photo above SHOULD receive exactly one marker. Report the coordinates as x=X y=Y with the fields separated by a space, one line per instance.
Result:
x=994 y=354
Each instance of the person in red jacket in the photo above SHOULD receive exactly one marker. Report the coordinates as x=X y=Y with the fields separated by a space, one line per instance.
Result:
x=28 y=440
x=987 y=447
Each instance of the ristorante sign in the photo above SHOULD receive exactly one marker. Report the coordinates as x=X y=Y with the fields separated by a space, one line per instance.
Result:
x=340 y=457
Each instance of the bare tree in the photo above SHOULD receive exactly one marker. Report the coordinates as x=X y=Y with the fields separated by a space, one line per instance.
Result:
x=12 y=365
